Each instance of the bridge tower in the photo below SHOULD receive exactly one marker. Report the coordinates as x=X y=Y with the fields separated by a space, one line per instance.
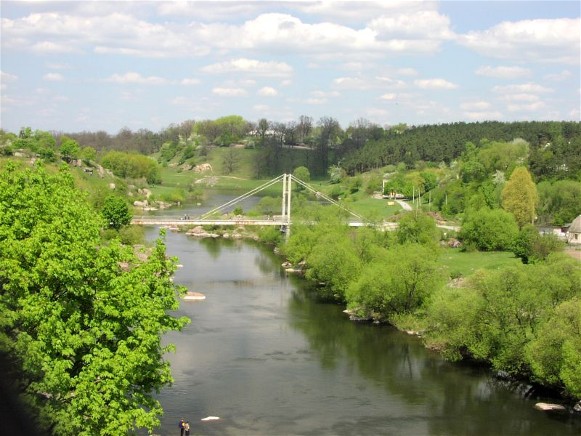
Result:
x=286 y=203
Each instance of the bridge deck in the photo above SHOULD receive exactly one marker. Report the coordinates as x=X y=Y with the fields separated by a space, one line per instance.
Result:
x=173 y=222
x=205 y=222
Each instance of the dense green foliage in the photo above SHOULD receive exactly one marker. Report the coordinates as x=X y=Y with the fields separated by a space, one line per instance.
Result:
x=489 y=229
x=132 y=165
x=513 y=318
x=81 y=320
x=505 y=316
x=116 y=212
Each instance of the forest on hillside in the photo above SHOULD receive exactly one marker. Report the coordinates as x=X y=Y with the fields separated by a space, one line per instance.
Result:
x=555 y=146
x=460 y=166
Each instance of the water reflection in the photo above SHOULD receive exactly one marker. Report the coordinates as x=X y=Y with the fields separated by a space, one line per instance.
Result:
x=270 y=360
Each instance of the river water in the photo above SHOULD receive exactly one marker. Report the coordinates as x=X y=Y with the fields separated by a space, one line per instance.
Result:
x=268 y=359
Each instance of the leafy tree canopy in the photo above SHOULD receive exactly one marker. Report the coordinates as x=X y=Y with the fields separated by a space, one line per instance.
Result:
x=520 y=197
x=116 y=212
x=81 y=320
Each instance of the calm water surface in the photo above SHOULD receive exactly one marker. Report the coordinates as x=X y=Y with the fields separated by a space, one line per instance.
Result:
x=269 y=360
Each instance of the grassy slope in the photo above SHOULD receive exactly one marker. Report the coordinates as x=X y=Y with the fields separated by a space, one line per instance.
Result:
x=466 y=263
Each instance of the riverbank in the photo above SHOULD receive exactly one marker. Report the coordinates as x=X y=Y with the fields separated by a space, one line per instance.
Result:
x=409 y=322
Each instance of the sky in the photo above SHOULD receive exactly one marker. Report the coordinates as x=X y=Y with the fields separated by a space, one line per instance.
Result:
x=75 y=66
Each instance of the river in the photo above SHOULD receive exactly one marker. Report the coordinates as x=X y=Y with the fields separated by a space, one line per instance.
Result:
x=268 y=359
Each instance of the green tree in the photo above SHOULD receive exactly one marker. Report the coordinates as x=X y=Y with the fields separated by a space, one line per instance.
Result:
x=334 y=264
x=303 y=174
x=231 y=160
x=416 y=227
x=489 y=229
x=519 y=196
x=559 y=201
x=532 y=247
x=88 y=154
x=555 y=353
x=116 y=212
x=401 y=281
x=69 y=149
x=81 y=320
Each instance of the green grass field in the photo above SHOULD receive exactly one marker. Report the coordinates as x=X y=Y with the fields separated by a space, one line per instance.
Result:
x=466 y=263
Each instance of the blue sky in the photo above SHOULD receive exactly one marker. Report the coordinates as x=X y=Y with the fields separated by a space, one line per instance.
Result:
x=81 y=65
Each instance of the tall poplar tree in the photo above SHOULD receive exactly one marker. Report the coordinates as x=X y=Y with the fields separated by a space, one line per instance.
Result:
x=80 y=319
x=519 y=196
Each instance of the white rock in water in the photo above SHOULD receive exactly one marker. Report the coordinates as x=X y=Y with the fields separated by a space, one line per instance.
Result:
x=194 y=296
x=210 y=418
x=550 y=407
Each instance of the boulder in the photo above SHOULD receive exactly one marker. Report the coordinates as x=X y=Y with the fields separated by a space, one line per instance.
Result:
x=550 y=407
x=202 y=168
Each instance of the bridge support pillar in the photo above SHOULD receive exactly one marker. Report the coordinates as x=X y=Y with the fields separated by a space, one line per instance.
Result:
x=286 y=202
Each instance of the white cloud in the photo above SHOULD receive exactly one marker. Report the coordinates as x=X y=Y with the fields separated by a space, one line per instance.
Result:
x=529 y=87
x=229 y=92
x=53 y=77
x=214 y=10
x=113 y=32
x=519 y=97
x=502 y=72
x=356 y=83
x=542 y=40
x=250 y=66
x=316 y=101
x=50 y=47
x=364 y=10
x=483 y=116
x=189 y=82
x=528 y=107
x=58 y=66
x=475 y=106
x=434 y=84
x=289 y=34
x=180 y=101
x=558 y=77
x=137 y=78
x=389 y=96
x=284 y=31
x=418 y=28
x=262 y=108
x=406 y=72
x=318 y=97
x=325 y=94
x=267 y=91
x=391 y=83
x=525 y=97
x=423 y=25
x=6 y=78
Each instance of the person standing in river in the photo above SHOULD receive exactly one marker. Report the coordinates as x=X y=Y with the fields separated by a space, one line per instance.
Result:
x=187 y=428
x=181 y=426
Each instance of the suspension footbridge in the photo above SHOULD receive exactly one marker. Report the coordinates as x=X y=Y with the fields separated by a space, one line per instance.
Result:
x=216 y=215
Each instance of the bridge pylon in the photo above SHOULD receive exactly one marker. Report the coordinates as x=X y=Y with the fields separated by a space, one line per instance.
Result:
x=286 y=203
